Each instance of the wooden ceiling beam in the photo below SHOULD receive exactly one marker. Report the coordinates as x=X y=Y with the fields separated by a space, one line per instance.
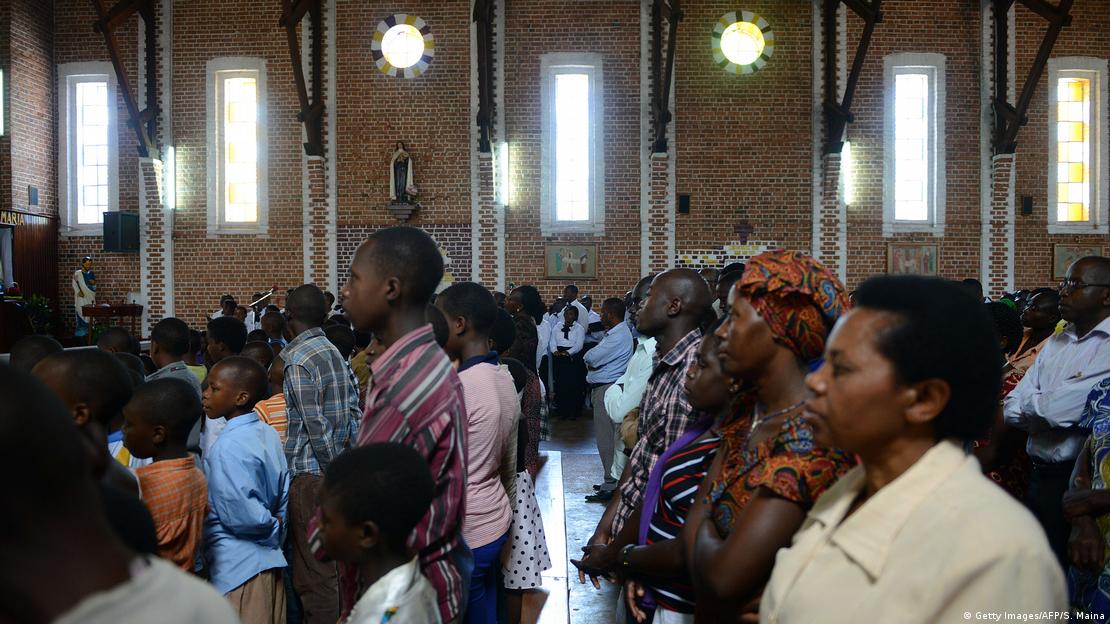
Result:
x=145 y=122
x=837 y=108
x=312 y=104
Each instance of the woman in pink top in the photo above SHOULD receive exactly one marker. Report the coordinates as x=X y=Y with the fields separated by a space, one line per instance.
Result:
x=491 y=409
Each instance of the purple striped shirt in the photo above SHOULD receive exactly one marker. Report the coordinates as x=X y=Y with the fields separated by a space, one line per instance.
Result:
x=416 y=398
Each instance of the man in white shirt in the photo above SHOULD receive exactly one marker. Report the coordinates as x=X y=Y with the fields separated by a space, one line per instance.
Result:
x=625 y=394
x=1049 y=400
x=595 y=335
x=570 y=295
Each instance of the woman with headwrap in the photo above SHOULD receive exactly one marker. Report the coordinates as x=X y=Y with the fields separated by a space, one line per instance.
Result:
x=768 y=471
x=800 y=300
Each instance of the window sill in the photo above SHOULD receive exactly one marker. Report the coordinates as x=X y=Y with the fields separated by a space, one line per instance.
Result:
x=1076 y=228
x=934 y=229
x=67 y=232
x=259 y=231
x=585 y=227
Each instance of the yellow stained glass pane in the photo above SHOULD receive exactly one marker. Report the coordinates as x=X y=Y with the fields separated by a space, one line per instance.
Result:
x=241 y=193
x=1062 y=191
x=1073 y=131
x=1077 y=172
x=1063 y=172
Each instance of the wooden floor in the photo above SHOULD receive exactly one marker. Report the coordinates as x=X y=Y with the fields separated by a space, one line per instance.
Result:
x=549 y=495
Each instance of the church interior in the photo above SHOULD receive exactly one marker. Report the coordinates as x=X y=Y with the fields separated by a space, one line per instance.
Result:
x=185 y=150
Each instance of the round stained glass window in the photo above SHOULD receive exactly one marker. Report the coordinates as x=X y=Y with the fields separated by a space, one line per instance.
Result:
x=403 y=46
x=742 y=42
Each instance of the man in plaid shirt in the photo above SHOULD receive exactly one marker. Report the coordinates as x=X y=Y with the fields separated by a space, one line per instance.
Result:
x=321 y=396
x=677 y=303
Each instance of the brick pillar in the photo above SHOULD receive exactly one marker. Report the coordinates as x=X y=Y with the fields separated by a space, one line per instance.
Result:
x=154 y=220
x=489 y=237
x=660 y=217
x=831 y=220
x=318 y=230
x=999 y=275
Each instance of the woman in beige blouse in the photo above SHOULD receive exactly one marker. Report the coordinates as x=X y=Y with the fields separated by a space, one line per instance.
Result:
x=914 y=533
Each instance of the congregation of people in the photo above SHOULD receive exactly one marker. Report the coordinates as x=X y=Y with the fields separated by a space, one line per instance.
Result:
x=773 y=448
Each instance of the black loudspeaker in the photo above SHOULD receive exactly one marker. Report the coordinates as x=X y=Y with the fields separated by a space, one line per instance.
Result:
x=683 y=204
x=121 y=232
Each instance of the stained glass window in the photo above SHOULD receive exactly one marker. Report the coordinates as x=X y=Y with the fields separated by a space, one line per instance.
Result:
x=1073 y=149
x=742 y=43
x=403 y=46
x=239 y=146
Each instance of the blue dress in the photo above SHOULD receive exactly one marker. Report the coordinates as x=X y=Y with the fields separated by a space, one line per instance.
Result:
x=1090 y=592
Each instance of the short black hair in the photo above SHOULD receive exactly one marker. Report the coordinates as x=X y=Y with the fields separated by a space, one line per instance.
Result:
x=195 y=341
x=728 y=278
x=386 y=483
x=96 y=378
x=733 y=266
x=1007 y=324
x=1051 y=293
x=470 y=301
x=363 y=339
x=172 y=403
x=247 y=375
x=503 y=332
x=572 y=288
x=940 y=332
x=409 y=254
x=257 y=335
x=260 y=351
x=274 y=316
x=615 y=307
x=115 y=339
x=342 y=337
x=438 y=322
x=306 y=304
x=171 y=335
x=32 y=350
x=135 y=367
x=228 y=330
x=44 y=468
x=532 y=302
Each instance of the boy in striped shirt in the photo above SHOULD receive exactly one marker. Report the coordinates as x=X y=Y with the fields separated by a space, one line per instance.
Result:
x=415 y=396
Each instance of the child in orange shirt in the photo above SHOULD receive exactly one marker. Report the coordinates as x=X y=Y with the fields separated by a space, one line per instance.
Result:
x=156 y=424
x=272 y=411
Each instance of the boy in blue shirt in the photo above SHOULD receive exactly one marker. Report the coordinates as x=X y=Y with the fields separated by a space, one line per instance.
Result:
x=248 y=493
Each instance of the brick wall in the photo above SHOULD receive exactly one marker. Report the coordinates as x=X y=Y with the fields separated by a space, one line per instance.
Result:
x=453 y=241
x=5 y=140
x=31 y=78
x=611 y=29
x=1089 y=35
x=205 y=267
x=117 y=274
x=430 y=114
x=951 y=28
x=744 y=143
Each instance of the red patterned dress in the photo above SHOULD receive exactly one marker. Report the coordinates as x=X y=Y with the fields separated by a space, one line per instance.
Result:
x=791 y=465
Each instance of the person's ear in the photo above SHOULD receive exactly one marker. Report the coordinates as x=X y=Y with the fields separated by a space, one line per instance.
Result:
x=926 y=400
x=371 y=535
x=241 y=398
x=392 y=289
x=674 y=307
x=81 y=414
x=158 y=434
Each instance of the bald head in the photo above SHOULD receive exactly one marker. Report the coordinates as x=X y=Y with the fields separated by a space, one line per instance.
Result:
x=1095 y=269
x=678 y=300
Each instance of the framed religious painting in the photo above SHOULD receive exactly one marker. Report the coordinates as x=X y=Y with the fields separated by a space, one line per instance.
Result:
x=915 y=258
x=1064 y=255
x=571 y=262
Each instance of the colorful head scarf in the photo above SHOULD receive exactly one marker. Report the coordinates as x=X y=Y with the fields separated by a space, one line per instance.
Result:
x=798 y=298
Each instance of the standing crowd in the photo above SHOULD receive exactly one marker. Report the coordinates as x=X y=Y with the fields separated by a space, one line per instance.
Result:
x=772 y=449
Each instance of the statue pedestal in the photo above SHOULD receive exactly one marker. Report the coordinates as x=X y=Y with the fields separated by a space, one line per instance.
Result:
x=401 y=211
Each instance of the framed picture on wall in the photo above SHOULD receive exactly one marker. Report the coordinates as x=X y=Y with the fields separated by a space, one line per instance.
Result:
x=571 y=262
x=1064 y=255
x=916 y=258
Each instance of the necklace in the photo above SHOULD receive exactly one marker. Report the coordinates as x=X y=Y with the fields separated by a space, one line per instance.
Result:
x=758 y=419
